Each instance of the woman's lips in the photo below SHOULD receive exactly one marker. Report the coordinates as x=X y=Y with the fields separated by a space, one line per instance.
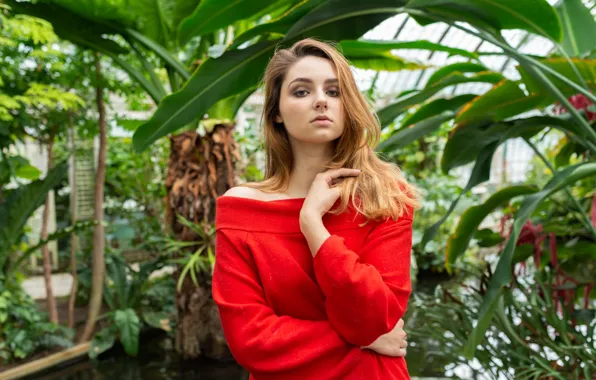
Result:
x=323 y=122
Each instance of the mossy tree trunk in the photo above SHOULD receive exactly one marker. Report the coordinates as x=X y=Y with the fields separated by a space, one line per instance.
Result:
x=201 y=168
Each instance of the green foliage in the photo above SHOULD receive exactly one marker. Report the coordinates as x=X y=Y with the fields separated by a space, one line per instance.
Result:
x=202 y=258
x=18 y=207
x=23 y=27
x=585 y=67
x=529 y=338
x=210 y=83
x=251 y=147
x=16 y=167
x=25 y=330
x=135 y=302
x=382 y=48
x=503 y=101
x=502 y=275
x=134 y=191
x=30 y=96
x=129 y=326
x=578 y=25
x=454 y=77
x=535 y=16
x=102 y=341
x=210 y=16
x=420 y=162
x=473 y=216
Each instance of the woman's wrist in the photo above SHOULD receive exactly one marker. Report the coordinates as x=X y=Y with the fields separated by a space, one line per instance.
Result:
x=308 y=219
x=314 y=231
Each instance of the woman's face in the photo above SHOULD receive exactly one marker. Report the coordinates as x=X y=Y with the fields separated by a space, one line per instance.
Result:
x=310 y=92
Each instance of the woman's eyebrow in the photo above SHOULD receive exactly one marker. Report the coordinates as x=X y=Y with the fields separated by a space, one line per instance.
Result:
x=308 y=80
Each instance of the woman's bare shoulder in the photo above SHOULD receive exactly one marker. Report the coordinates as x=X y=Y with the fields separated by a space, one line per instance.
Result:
x=248 y=192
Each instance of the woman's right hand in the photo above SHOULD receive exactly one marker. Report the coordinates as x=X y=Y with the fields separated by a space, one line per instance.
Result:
x=392 y=343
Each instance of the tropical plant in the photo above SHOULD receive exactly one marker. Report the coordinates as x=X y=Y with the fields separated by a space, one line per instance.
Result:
x=26 y=330
x=420 y=161
x=202 y=258
x=530 y=338
x=129 y=296
x=135 y=194
x=18 y=205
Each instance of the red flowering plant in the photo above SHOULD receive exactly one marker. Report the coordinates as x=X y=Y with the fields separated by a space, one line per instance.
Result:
x=564 y=286
x=580 y=102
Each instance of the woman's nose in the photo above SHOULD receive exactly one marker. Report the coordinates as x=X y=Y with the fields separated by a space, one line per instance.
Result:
x=320 y=101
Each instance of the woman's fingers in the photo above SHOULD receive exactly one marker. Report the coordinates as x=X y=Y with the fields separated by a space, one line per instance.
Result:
x=332 y=174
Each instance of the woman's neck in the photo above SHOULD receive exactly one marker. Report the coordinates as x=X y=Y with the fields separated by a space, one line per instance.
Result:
x=308 y=162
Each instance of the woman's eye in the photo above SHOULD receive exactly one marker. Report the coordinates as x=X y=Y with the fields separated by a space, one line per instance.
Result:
x=333 y=93
x=300 y=93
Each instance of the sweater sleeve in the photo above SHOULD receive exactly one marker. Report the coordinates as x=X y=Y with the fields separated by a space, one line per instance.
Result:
x=367 y=293
x=267 y=345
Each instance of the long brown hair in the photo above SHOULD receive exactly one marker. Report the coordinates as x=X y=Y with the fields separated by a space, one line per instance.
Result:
x=381 y=188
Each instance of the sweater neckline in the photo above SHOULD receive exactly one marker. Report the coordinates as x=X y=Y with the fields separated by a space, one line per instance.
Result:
x=262 y=201
x=277 y=215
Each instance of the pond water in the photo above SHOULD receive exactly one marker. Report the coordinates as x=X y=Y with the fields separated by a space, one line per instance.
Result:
x=157 y=360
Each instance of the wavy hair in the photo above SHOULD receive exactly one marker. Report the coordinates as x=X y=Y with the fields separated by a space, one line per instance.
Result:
x=381 y=189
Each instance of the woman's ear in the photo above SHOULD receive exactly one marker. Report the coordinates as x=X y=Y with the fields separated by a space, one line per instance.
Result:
x=278 y=119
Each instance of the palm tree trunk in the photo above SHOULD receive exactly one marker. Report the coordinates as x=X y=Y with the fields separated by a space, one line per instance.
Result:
x=45 y=250
x=200 y=169
x=98 y=234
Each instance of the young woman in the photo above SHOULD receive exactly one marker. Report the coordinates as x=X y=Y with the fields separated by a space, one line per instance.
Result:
x=312 y=270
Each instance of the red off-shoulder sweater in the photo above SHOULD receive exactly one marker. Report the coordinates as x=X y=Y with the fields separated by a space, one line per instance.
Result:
x=287 y=315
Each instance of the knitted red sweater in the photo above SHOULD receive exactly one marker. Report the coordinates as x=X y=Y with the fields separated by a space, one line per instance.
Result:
x=287 y=315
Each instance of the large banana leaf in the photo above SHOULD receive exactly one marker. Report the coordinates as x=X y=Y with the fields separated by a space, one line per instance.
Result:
x=160 y=51
x=586 y=67
x=226 y=109
x=392 y=111
x=388 y=62
x=367 y=48
x=158 y=20
x=377 y=55
x=486 y=139
x=338 y=20
x=212 y=15
x=459 y=67
x=239 y=70
x=215 y=79
x=20 y=204
x=71 y=26
x=504 y=100
x=502 y=275
x=480 y=173
x=535 y=16
x=437 y=106
x=411 y=133
x=117 y=12
x=473 y=216
x=280 y=25
x=459 y=151
x=424 y=121
x=579 y=27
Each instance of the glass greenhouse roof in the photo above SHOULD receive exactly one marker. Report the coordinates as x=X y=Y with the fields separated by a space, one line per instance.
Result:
x=404 y=28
